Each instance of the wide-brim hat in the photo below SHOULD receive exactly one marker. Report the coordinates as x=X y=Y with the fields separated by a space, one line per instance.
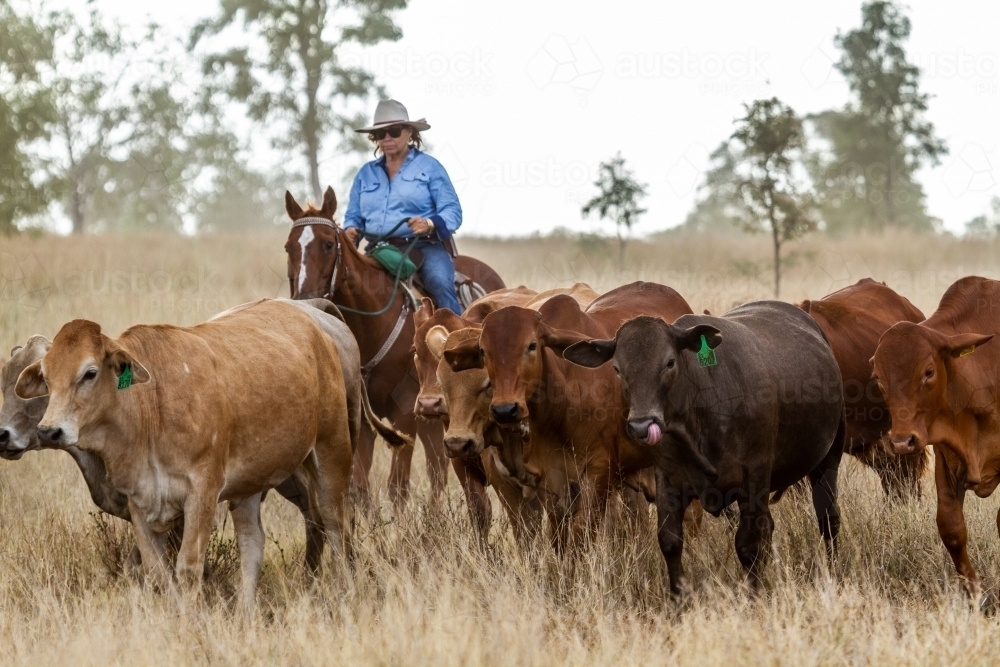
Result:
x=391 y=112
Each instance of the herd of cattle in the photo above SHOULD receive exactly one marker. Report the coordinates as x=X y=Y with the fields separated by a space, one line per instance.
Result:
x=558 y=400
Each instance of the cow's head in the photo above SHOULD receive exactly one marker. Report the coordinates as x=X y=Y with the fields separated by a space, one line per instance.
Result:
x=311 y=249
x=19 y=417
x=913 y=365
x=80 y=374
x=467 y=394
x=648 y=356
x=430 y=403
x=511 y=349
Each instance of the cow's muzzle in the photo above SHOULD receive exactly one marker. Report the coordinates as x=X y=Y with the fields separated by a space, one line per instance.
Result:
x=462 y=447
x=51 y=435
x=505 y=413
x=430 y=407
x=645 y=429
x=8 y=446
x=905 y=444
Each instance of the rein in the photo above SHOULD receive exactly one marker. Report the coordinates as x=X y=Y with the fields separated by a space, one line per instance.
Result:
x=370 y=365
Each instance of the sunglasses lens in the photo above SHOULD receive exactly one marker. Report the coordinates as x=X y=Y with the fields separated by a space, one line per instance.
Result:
x=393 y=132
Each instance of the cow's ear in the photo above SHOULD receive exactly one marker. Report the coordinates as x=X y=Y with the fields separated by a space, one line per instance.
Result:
x=806 y=305
x=14 y=350
x=424 y=312
x=435 y=340
x=31 y=382
x=558 y=340
x=464 y=356
x=119 y=360
x=590 y=353
x=690 y=339
x=963 y=344
x=292 y=207
x=329 y=203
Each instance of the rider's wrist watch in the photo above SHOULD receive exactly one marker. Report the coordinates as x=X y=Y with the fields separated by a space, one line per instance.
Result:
x=430 y=223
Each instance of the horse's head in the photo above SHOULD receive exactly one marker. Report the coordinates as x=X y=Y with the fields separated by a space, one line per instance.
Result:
x=313 y=247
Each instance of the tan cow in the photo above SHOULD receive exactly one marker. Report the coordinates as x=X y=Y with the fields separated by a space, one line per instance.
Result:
x=186 y=417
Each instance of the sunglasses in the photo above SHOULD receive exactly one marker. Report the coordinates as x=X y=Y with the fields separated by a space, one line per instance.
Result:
x=393 y=132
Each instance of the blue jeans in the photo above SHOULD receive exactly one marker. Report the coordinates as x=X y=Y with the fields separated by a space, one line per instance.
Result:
x=438 y=274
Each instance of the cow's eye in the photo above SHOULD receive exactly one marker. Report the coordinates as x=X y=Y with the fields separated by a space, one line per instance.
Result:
x=617 y=370
x=89 y=375
x=487 y=386
x=928 y=374
x=671 y=364
x=532 y=346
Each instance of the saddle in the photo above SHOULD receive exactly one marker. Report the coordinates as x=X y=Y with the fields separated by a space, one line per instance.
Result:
x=466 y=288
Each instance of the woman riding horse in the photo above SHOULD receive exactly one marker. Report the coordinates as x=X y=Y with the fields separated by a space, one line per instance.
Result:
x=406 y=184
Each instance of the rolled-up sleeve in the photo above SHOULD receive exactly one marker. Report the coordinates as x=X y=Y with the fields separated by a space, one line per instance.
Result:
x=352 y=217
x=447 y=216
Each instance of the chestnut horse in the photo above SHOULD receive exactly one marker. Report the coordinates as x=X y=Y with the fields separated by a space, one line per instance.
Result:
x=323 y=263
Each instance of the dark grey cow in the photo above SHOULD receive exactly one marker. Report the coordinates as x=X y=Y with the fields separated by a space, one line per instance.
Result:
x=739 y=407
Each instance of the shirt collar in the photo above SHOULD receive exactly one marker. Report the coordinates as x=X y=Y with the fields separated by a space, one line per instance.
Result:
x=409 y=158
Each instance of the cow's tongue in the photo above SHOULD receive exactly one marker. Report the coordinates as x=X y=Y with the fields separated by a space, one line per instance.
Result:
x=654 y=434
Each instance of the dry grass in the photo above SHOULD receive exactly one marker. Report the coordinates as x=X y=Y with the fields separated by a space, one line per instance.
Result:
x=422 y=592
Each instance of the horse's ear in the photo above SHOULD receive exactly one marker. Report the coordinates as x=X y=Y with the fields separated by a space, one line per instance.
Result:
x=292 y=207
x=329 y=203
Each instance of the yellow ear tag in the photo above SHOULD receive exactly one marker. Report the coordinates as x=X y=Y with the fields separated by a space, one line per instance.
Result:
x=968 y=350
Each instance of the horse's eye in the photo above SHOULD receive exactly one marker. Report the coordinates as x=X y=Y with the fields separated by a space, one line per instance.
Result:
x=329 y=246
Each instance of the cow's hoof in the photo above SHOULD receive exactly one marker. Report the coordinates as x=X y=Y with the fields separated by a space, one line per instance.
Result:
x=988 y=603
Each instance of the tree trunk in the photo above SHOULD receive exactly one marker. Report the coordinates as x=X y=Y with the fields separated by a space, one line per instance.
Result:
x=890 y=205
x=777 y=260
x=76 y=205
x=621 y=252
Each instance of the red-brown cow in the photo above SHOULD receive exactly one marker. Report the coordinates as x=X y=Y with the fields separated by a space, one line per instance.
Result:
x=475 y=468
x=942 y=389
x=853 y=319
x=578 y=447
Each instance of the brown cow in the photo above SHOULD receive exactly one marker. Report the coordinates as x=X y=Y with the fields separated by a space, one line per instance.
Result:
x=853 y=319
x=942 y=389
x=578 y=447
x=179 y=428
x=474 y=467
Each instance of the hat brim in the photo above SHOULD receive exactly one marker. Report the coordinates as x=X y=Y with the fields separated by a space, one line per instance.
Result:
x=420 y=125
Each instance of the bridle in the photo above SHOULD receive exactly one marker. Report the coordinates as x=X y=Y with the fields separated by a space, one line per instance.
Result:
x=370 y=365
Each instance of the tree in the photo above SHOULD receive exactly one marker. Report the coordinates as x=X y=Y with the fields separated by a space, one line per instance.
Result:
x=294 y=77
x=875 y=144
x=720 y=207
x=769 y=141
x=985 y=225
x=618 y=199
x=25 y=112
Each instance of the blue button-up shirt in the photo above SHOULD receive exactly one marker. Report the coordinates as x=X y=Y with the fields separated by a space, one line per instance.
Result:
x=421 y=188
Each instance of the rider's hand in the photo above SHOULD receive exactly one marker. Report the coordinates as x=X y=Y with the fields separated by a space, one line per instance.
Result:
x=420 y=226
x=352 y=234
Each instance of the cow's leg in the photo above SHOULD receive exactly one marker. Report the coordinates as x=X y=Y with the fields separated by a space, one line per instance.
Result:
x=753 y=536
x=824 y=494
x=250 y=538
x=432 y=438
x=333 y=471
x=670 y=506
x=362 y=465
x=300 y=491
x=199 y=516
x=951 y=522
x=473 y=481
x=151 y=546
x=525 y=514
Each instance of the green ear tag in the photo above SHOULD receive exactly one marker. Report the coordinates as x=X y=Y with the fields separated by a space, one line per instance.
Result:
x=125 y=379
x=706 y=355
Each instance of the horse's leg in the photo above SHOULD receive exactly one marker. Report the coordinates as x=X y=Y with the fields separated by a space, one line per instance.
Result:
x=362 y=465
x=402 y=457
x=432 y=438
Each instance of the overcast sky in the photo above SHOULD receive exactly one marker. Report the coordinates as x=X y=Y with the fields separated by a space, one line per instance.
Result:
x=527 y=96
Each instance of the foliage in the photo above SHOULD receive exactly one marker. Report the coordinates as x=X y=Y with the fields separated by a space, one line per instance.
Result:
x=768 y=142
x=618 y=199
x=291 y=75
x=26 y=110
x=875 y=144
